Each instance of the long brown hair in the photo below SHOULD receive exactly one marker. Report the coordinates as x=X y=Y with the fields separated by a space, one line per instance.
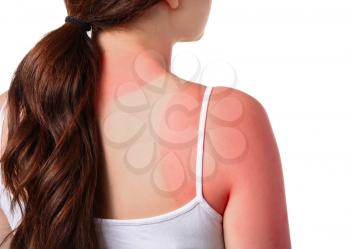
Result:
x=53 y=151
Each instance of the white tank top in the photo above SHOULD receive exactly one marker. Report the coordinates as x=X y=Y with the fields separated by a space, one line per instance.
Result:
x=195 y=225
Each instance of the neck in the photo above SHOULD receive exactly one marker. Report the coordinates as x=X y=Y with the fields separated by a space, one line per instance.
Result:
x=132 y=57
x=121 y=45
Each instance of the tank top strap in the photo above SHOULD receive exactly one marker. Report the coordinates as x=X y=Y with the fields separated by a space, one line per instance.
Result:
x=200 y=142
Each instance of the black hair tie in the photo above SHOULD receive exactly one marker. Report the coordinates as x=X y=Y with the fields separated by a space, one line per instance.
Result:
x=84 y=25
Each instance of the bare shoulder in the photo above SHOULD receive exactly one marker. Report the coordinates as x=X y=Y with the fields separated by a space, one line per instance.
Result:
x=242 y=128
x=242 y=135
x=241 y=101
x=244 y=142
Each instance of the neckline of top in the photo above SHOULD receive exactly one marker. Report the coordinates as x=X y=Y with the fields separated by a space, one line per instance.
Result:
x=187 y=207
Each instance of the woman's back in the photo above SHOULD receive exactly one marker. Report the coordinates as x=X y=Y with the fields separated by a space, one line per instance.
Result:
x=154 y=173
x=102 y=135
x=152 y=195
x=151 y=161
x=150 y=152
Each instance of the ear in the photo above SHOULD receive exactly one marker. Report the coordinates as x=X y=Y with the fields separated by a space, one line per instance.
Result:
x=174 y=4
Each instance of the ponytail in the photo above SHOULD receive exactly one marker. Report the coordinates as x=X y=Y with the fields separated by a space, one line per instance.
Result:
x=53 y=148
x=51 y=156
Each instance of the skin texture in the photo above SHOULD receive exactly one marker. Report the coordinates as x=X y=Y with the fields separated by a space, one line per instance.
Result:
x=150 y=165
x=256 y=214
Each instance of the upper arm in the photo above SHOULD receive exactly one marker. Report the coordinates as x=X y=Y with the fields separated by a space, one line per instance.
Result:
x=256 y=214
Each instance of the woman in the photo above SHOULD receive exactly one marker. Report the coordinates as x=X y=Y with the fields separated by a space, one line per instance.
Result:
x=103 y=147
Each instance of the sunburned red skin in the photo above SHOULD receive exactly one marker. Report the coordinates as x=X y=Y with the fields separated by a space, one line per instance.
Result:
x=256 y=214
x=242 y=174
x=149 y=124
x=150 y=152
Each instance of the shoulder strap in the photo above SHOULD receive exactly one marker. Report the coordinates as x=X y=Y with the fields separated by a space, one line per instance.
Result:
x=200 y=142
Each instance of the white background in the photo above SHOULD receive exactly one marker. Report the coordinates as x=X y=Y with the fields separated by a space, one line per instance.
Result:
x=293 y=56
